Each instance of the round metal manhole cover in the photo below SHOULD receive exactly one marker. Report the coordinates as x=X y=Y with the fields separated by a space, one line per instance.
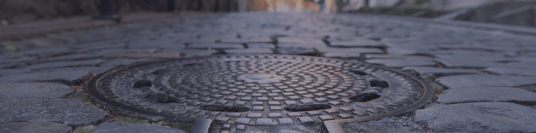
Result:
x=261 y=89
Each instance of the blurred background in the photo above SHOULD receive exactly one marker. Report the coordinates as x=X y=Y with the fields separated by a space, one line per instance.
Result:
x=510 y=12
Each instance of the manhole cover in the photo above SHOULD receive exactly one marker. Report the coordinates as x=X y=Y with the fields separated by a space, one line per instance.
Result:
x=261 y=89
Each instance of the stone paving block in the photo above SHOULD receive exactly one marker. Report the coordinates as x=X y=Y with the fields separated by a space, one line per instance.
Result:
x=478 y=117
x=439 y=72
x=385 y=125
x=356 y=42
x=124 y=51
x=16 y=60
x=67 y=75
x=522 y=64
x=485 y=80
x=404 y=62
x=72 y=112
x=122 y=62
x=248 y=40
x=468 y=62
x=45 y=51
x=215 y=46
x=511 y=71
x=263 y=45
x=388 y=56
x=349 y=52
x=249 y=51
x=12 y=71
x=33 y=90
x=478 y=54
x=93 y=62
x=295 y=50
x=33 y=127
x=409 y=48
x=144 y=55
x=119 y=127
x=71 y=57
x=486 y=94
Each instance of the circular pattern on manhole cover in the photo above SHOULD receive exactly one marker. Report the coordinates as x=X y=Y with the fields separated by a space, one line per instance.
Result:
x=261 y=89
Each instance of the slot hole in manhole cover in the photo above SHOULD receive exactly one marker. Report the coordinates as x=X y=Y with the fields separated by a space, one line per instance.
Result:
x=381 y=84
x=358 y=72
x=222 y=108
x=159 y=72
x=160 y=98
x=365 y=97
x=312 y=107
x=142 y=83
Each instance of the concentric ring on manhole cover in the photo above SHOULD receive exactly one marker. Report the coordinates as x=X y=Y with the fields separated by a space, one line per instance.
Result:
x=261 y=89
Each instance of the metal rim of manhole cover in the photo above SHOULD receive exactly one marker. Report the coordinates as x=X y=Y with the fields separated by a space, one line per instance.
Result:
x=261 y=89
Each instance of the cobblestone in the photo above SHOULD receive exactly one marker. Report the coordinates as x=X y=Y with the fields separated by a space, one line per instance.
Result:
x=483 y=117
x=479 y=66
x=33 y=127
x=72 y=112
x=33 y=90
x=115 y=127
x=485 y=80
x=486 y=94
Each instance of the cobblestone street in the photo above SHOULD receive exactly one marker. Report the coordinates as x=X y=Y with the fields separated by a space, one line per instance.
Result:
x=484 y=75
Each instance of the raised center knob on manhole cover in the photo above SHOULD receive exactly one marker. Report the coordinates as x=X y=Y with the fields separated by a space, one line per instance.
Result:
x=260 y=89
x=261 y=77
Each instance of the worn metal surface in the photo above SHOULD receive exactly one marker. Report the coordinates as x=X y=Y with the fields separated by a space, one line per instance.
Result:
x=260 y=89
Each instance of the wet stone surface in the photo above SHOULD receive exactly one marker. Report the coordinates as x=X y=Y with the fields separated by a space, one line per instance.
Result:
x=261 y=89
x=72 y=112
x=392 y=124
x=482 y=117
x=33 y=90
x=476 y=65
x=116 y=127
x=33 y=127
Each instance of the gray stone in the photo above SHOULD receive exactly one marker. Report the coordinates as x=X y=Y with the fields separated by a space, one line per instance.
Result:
x=93 y=62
x=467 y=62
x=522 y=64
x=477 y=54
x=291 y=40
x=118 y=51
x=439 y=72
x=295 y=50
x=360 y=42
x=12 y=71
x=486 y=94
x=118 y=127
x=348 y=52
x=121 y=62
x=72 y=112
x=33 y=127
x=263 y=45
x=511 y=71
x=486 y=117
x=71 y=57
x=33 y=90
x=196 y=53
x=404 y=62
x=385 y=125
x=485 y=80
x=215 y=46
x=17 y=60
x=45 y=51
x=67 y=75
x=249 y=51
x=247 y=40
x=408 y=48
